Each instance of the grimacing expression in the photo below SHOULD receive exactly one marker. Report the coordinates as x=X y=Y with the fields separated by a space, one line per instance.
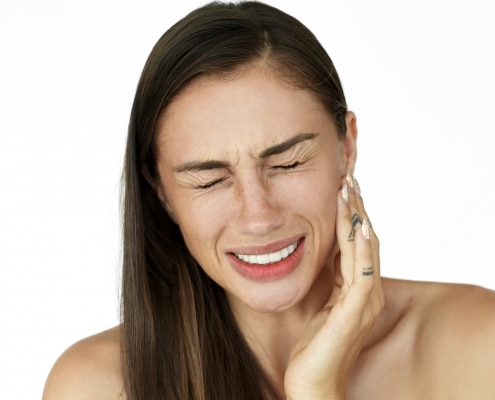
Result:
x=250 y=170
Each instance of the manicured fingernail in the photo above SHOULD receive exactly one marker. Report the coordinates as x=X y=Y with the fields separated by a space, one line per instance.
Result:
x=345 y=193
x=350 y=179
x=353 y=183
x=357 y=188
x=366 y=228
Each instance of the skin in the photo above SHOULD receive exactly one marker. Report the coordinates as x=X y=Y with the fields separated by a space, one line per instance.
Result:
x=325 y=330
x=257 y=202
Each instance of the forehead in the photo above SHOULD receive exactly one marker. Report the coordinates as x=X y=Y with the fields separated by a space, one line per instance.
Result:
x=254 y=108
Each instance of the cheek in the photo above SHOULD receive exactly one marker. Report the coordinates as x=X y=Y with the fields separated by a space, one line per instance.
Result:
x=315 y=199
x=194 y=213
x=321 y=206
x=316 y=190
x=201 y=224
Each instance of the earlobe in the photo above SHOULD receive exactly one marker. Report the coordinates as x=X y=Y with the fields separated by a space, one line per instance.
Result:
x=350 y=141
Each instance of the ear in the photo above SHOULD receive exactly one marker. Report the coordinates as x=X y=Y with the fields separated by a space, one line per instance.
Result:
x=350 y=141
x=160 y=192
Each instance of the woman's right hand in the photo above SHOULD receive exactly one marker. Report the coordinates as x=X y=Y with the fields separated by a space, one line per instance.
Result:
x=321 y=362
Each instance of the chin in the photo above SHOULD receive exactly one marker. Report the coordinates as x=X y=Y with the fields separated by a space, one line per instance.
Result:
x=270 y=300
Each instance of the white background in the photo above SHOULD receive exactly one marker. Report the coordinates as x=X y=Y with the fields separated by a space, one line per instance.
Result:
x=418 y=74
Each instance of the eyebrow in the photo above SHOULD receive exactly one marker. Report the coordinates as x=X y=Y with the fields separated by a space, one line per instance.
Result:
x=200 y=165
x=270 y=151
x=286 y=145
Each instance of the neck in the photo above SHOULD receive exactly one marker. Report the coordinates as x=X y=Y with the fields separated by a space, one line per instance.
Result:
x=273 y=335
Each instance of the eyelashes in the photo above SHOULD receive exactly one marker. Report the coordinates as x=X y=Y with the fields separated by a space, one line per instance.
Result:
x=214 y=182
x=210 y=184
x=287 y=167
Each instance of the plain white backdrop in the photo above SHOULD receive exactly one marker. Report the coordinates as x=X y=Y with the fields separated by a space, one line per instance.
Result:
x=418 y=74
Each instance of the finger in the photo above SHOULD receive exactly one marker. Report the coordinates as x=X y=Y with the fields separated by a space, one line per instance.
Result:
x=344 y=231
x=367 y=257
x=364 y=263
x=360 y=261
x=366 y=226
x=352 y=218
x=360 y=217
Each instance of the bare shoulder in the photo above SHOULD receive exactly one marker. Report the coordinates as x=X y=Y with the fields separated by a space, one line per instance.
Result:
x=435 y=305
x=455 y=338
x=462 y=314
x=89 y=369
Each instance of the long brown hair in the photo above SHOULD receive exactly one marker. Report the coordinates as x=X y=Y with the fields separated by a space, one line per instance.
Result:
x=179 y=337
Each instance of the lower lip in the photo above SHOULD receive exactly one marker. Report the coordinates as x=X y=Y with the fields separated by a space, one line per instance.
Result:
x=269 y=272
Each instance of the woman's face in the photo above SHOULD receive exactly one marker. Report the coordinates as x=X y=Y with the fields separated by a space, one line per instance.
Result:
x=250 y=170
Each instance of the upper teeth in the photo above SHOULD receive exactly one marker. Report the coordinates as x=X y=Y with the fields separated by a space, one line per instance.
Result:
x=268 y=258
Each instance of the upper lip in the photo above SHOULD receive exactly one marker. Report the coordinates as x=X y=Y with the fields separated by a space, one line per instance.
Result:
x=266 y=248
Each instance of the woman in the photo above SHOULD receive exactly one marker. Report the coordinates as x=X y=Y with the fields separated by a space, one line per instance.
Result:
x=251 y=270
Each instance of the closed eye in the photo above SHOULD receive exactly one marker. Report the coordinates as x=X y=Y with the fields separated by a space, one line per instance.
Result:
x=287 y=167
x=210 y=184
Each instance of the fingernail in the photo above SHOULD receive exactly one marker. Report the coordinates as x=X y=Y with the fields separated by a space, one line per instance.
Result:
x=357 y=188
x=350 y=179
x=345 y=193
x=366 y=228
x=353 y=183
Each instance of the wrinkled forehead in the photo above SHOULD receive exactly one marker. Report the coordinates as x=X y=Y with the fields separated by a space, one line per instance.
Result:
x=241 y=95
x=238 y=119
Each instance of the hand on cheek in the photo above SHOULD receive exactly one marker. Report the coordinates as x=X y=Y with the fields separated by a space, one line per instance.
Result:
x=322 y=361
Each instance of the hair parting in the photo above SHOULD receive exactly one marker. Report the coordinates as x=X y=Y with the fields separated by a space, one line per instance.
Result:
x=179 y=337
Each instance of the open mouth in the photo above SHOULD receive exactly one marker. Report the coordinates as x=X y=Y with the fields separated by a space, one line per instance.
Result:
x=269 y=258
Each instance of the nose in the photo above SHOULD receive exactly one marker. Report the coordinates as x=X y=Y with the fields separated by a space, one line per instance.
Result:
x=260 y=212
